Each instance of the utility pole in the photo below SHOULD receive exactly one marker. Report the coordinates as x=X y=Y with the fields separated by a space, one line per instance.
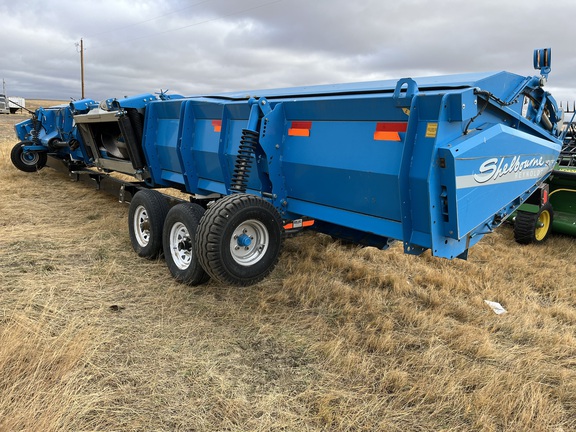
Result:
x=82 y=65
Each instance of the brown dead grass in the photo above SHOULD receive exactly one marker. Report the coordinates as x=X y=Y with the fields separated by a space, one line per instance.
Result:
x=338 y=338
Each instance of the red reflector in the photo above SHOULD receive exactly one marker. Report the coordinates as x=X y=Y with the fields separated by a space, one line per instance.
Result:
x=300 y=128
x=299 y=224
x=217 y=125
x=392 y=127
x=389 y=131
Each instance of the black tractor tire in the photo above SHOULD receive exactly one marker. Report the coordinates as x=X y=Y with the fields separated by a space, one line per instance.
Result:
x=148 y=210
x=533 y=227
x=27 y=161
x=179 y=239
x=240 y=239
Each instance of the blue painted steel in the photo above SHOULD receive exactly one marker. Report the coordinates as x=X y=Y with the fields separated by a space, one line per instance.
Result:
x=542 y=61
x=138 y=101
x=244 y=241
x=467 y=157
x=52 y=130
x=82 y=106
x=435 y=162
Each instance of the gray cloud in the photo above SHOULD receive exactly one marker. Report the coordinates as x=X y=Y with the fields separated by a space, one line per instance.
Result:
x=205 y=46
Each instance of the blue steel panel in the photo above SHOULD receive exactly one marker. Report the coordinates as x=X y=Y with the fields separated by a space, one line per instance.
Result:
x=198 y=146
x=431 y=112
x=166 y=141
x=186 y=134
x=414 y=189
x=424 y=83
x=202 y=125
x=330 y=167
x=348 y=108
x=138 y=101
x=484 y=170
x=204 y=153
x=370 y=224
x=160 y=140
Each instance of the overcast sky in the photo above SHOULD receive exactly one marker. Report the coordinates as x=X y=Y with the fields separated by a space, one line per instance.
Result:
x=204 y=46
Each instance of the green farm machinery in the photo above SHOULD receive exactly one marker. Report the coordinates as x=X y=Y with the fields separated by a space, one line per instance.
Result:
x=554 y=209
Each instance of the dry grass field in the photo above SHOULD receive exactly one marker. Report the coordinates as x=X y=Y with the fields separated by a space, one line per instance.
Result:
x=338 y=338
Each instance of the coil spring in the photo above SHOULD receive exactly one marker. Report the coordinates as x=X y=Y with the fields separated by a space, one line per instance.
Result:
x=35 y=132
x=243 y=164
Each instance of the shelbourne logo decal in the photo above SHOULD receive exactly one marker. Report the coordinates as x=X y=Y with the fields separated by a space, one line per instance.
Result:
x=494 y=168
x=507 y=169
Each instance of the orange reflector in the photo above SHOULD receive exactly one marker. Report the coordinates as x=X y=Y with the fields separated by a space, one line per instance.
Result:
x=299 y=223
x=386 y=136
x=300 y=128
x=389 y=131
x=217 y=125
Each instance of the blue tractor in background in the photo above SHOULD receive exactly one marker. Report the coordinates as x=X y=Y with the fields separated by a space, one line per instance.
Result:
x=434 y=162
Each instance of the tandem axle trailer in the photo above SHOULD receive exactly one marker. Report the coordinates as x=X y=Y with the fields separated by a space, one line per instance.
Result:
x=434 y=162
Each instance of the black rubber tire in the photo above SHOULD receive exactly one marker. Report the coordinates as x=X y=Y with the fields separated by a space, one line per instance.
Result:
x=527 y=227
x=27 y=162
x=217 y=239
x=148 y=210
x=182 y=260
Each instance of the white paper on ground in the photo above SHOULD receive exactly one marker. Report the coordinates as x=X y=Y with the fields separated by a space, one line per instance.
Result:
x=496 y=307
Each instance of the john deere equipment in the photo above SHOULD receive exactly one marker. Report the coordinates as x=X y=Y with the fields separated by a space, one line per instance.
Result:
x=555 y=211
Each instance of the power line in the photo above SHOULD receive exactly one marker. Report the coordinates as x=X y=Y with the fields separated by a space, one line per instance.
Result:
x=205 y=21
x=135 y=24
x=83 y=48
x=148 y=20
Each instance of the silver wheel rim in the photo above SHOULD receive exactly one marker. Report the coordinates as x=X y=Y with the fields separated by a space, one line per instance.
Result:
x=142 y=226
x=249 y=242
x=30 y=158
x=180 y=246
